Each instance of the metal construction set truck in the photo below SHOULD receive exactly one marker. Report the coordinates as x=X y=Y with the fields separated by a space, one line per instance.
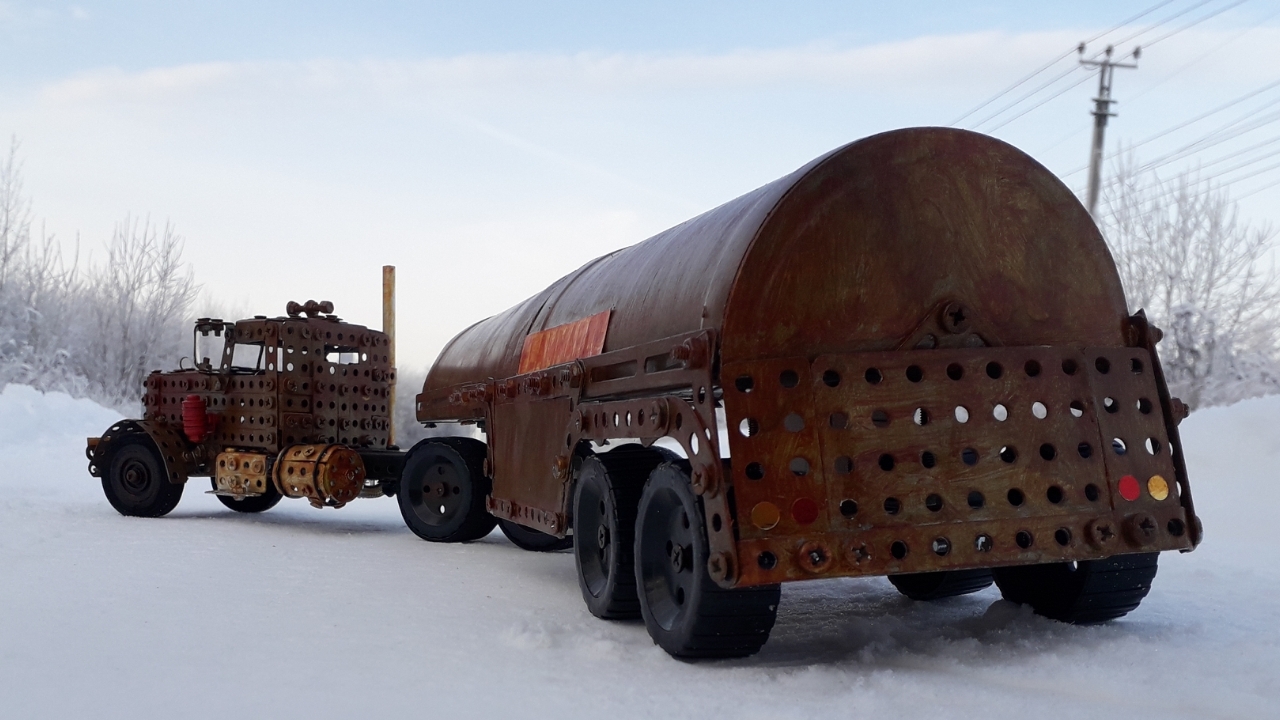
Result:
x=918 y=348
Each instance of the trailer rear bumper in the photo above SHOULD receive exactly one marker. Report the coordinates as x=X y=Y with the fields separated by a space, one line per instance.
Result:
x=916 y=461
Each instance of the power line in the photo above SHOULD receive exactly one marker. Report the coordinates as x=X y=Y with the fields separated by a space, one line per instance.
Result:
x=1014 y=86
x=1255 y=191
x=1215 y=183
x=1056 y=95
x=1244 y=164
x=1194 y=23
x=1238 y=153
x=1207 y=53
x=1024 y=98
x=1058 y=59
x=1028 y=95
x=1165 y=21
x=1227 y=105
x=1230 y=40
x=1220 y=108
x=1216 y=137
x=1042 y=87
x=1080 y=48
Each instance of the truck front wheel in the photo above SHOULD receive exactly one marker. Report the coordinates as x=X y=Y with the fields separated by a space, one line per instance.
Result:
x=135 y=482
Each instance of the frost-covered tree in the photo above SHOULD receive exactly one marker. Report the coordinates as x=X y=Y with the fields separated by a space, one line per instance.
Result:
x=93 y=330
x=1204 y=276
x=38 y=294
x=138 y=301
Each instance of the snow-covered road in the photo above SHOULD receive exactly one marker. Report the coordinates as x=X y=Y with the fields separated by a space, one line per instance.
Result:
x=305 y=613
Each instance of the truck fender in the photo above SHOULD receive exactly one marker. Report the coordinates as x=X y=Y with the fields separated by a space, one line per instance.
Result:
x=174 y=451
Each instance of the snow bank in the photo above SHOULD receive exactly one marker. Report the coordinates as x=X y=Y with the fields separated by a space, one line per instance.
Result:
x=305 y=613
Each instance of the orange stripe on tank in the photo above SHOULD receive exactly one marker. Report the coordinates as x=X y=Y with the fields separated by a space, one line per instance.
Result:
x=564 y=343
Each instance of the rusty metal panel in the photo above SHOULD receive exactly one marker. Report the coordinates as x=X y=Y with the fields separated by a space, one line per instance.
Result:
x=952 y=446
x=876 y=235
x=564 y=343
x=241 y=474
x=527 y=437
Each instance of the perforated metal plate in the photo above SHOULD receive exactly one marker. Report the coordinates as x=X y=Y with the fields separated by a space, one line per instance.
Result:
x=876 y=463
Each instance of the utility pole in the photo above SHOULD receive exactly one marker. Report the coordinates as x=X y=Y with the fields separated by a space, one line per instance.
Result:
x=1102 y=111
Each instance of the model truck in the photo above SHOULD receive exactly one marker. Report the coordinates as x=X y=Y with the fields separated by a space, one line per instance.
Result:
x=910 y=358
x=292 y=406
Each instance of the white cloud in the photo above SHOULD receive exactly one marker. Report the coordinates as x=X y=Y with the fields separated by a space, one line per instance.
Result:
x=487 y=176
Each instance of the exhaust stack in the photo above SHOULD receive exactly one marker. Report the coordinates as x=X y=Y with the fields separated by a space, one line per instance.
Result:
x=389 y=327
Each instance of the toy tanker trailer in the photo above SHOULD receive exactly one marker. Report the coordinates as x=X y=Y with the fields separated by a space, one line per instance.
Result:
x=295 y=406
x=919 y=351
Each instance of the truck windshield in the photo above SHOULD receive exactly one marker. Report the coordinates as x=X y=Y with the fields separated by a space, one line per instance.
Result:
x=247 y=357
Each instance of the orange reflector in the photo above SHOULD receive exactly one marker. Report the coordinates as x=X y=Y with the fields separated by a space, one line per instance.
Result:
x=1129 y=488
x=804 y=510
x=765 y=515
x=1158 y=487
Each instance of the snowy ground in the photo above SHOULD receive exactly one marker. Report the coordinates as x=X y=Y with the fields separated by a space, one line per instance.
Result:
x=298 y=612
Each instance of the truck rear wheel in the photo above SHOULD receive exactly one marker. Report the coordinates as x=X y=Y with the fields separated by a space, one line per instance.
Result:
x=255 y=504
x=533 y=540
x=1083 y=593
x=604 y=520
x=941 y=584
x=443 y=489
x=135 y=481
x=684 y=610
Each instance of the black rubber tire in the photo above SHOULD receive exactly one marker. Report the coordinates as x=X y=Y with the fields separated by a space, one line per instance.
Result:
x=533 y=540
x=1091 y=591
x=941 y=584
x=604 y=521
x=443 y=489
x=684 y=610
x=256 y=504
x=135 y=481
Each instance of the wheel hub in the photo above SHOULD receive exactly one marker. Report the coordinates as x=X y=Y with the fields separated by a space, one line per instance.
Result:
x=135 y=477
x=680 y=557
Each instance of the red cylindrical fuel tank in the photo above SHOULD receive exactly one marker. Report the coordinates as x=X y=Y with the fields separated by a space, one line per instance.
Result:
x=194 y=418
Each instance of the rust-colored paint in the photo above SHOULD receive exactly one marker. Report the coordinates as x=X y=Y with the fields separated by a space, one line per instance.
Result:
x=564 y=343
x=905 y=253
x=316 y=382
x=326 y=475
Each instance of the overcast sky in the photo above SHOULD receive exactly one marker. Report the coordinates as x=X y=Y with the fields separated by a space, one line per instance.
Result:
x=487 y=148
